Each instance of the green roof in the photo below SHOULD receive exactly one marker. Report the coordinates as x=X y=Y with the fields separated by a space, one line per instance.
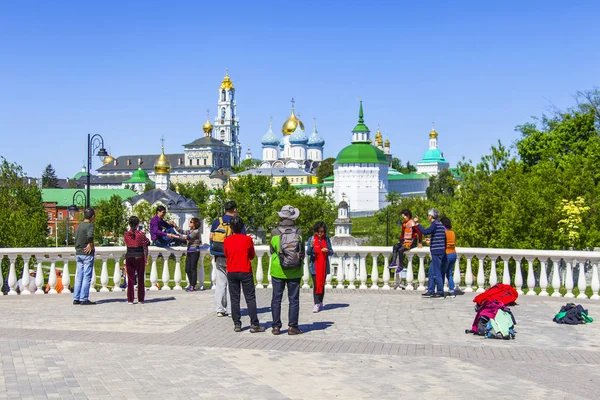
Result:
x=433 y=155
x=330 y=178
x=456 y=173
x=64 y=197
x=361 y=153
x=139 y=176
x=361 y=127
x=80 y=174
x=314 y=185
x=411 y=176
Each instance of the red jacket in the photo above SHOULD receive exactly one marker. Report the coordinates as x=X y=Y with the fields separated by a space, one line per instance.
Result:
x=239 y=250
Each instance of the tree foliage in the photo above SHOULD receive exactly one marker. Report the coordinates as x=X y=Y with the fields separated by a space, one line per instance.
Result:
x=24 y=220
x=325 y=169
x=111 y=218
x=49 y=179
x=246 y=164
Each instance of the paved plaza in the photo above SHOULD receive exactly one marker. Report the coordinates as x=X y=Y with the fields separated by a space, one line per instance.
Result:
x=365 y=344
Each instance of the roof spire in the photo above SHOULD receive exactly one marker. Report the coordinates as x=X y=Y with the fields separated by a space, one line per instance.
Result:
x=360 y=114
x=293 y=102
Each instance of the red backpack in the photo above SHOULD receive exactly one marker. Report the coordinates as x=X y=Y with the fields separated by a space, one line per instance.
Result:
x=505 y=294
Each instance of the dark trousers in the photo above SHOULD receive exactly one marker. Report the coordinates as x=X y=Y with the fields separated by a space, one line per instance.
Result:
x=435 y=274
x=136 y=265
x=399 y=250
x=293 y=286
x=245 y=281
x=191 y=267
x=318 y=297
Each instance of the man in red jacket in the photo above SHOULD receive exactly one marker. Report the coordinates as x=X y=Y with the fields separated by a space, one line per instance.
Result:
x=239 y=251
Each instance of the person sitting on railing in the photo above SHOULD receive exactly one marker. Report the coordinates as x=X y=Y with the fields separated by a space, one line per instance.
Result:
x=163 y=233
x=409 y=239
x=319 y=250
x=438 y=250
x=136 y=259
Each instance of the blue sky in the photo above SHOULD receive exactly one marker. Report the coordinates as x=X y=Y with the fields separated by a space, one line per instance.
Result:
x=134 y=71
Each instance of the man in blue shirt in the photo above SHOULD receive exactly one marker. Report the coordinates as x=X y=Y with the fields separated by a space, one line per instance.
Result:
x=437 y=247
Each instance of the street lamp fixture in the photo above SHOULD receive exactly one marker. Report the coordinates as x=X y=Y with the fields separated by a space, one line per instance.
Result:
x=78 y=196
x=95 y=143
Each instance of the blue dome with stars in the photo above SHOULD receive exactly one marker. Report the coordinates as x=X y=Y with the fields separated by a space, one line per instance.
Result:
x=299 y=136
x=315 y=140
x=269 y=138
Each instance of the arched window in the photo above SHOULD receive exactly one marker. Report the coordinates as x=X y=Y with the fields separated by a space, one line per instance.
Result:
x=222 y=134
x=222 y=95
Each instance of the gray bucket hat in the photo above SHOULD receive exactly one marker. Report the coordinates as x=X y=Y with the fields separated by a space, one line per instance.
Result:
x=289 y=212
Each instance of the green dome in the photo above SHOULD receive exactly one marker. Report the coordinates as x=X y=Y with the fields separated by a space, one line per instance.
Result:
x=139 y=176
x=433 y=155
x=361 y=153
x=80 y=174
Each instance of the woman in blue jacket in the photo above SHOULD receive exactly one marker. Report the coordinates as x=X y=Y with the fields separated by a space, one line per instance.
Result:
x=319 y=250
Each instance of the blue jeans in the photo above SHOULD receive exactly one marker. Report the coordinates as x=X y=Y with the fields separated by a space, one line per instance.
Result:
x=293 y=286
x=163 y=241
x=448 y=263
x=435 y=274
x=85 y=266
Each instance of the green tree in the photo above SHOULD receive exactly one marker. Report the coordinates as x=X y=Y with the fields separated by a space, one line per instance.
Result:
x=393 y=198
x=111 y=218
x=61 y=231
x=24 y=220
x=49 y=179
x=441 y=187
x=148 y=187
x=325 y=169
x=198 y=192
x=246 y=164
x=144 y=211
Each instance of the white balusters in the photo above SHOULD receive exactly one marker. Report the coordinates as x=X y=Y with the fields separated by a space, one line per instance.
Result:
x=469 y=276
x=581 y=283
x=259 y=271
x=480 y=275
x=518 y=276
x=153 y=275
x=12 y=277
x=39 y=278
x=374 y=274
x=386 y=272
x=177 y=274
x=52 y=277
x=556 y=277
x=595 y=282
x=269 y=277
x=352 y=272
x=421 y=274
x=104 y=276
x=66 y=276
x=569 y=281
x=543 y=278
x=530 y=278
x=306 y=274
x=213 y=274
x=506 y=272
x=201 y=272
x=25 y=278
x=363 y=271
x=409 y=274
x=456 y=276
x=117 y=277
x=329 y=276
x=166 y=276
x=340 y=273
x=92 y=281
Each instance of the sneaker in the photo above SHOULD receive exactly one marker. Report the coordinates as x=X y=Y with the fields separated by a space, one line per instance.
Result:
x=316 y=308
x=452 y=295
x=427 y=294
x=392 y=265
x=189 y=289
x=257 y=329
x=399 y=269
x=130 y=302
x=221 y=314
x=237 y=328
x=294 y=331
x=76 y=302
x=87 y=303
x=438 y=296
x=321 y=306
x=135 y=302
x=276 y=331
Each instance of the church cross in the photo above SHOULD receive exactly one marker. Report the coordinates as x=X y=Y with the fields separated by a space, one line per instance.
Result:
x=293 y=102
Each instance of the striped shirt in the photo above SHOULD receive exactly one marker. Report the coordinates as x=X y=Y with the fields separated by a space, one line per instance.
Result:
x=438 y=237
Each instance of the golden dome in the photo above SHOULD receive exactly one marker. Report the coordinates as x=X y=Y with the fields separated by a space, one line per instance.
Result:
x=162 y=166
x=433 y=134
x=228 y=188
x=290 y=125
x=378 y=138
x=207 y=127
x=387 y=142
x=108 y=160
x=227 y=84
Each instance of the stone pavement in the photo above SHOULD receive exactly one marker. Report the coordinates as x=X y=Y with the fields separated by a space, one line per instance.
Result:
x=365 y=344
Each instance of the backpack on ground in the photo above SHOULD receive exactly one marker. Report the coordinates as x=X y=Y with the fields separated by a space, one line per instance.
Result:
x=505 y=294
x=291 y=253
x=572 y=314
x=502 y=326
x=219 y=235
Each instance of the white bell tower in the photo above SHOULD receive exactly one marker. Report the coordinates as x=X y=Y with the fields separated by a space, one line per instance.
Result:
x=227 y=124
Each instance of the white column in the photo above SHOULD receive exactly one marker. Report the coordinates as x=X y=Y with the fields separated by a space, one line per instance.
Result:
x=543 y=278
x=177 y=275
x=213 y=274
x=66 y=276
x=153 y=274
x=305 y=274
x=351 y=272
x=421 y=274
x=456 y=276
x=269 y=277
x=201 y=272
x=117 y=276
x=493 y=274
x=581 y=283
x=569 y=281
x=52 y=277
x=409 y=274
x=374 y=273
x=259 y=271
x=469 y=275
x=530 y=278
x=518 y=276
x=340 y=273
x=166 y=276
x=386 y=272
x=12 y=276
x=92 y=281
x=104 y=276
x=556 y=277
x=329 y=276
x=363 y=271
x=506 y=272
x=595 y=282
x=39 y=278
x=25 y=278
x=480 y=275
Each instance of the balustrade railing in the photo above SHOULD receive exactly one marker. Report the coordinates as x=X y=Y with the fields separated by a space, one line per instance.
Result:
x=531 y=272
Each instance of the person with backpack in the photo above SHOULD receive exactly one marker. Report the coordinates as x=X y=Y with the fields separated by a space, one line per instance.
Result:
x=287 y=257
x=239 y=251
x=319 y=250
x=449 y=259
x=437 y=248
x=220 y=230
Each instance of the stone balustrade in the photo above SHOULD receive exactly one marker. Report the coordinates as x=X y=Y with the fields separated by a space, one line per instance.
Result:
x=533 y=272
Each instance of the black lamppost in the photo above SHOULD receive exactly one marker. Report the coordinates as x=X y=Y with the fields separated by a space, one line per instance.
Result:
x=79 y=195
x=95 y=142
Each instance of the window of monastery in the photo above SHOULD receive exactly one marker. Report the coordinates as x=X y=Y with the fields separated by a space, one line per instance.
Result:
x=49 y=215
x=128 y=162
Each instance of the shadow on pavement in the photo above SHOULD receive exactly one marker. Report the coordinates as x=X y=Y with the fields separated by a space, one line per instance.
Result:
x=158 y=300
x=259 y=310
x=333 y=306
x=315 y=326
